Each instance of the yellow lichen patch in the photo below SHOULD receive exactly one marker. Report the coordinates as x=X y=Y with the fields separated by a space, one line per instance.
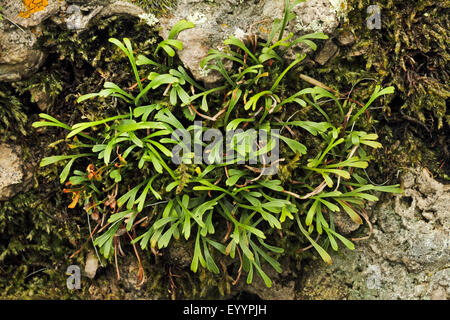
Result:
x=32 y=6
x=264 y=30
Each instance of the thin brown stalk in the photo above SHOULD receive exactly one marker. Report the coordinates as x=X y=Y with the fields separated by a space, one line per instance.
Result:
x=227 y=235
x=308 y=247
x=136 y=84
x=240 y=268
x=316 y=83
x=318 y=190
x=141 y=274
x=104 y=227
x=191 y=107
x=115 y=258
x=366 y=217
x=84 y=244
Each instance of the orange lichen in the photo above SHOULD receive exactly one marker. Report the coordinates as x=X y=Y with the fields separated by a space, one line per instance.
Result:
x=32 y=6
x=264 y=30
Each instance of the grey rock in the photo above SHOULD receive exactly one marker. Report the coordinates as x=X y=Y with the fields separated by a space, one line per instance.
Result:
x=345 y=38
x=91 y=265
x=192 y=55
x=13 y=177
x=20 y=14
x=18 y=56
x=408 y=257
x=344 y=223
x=216 y=20
x=328 y=51
x=76 y=20
x=80 y=17
x=319 y=15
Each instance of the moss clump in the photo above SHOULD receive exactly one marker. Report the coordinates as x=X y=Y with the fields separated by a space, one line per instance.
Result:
x=409 y=52
x=156 y=7
x=12 y=117
x=35 y=240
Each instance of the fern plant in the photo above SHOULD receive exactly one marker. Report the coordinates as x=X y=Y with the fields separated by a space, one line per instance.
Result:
x=131 y=187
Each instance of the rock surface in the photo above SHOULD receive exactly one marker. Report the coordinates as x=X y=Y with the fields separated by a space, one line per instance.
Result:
x=407 y=257
x=13 y=177
x=91 y=266
x=79 y=17
x=216 y=20
x=328 y=51
x=28 y=14
x=18 y=56
x=318 y=16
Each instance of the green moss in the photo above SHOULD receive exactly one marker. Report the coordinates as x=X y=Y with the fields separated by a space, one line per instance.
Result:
x=411 y=53
x=12 y=116
x=156 y=7
x=35 y=235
